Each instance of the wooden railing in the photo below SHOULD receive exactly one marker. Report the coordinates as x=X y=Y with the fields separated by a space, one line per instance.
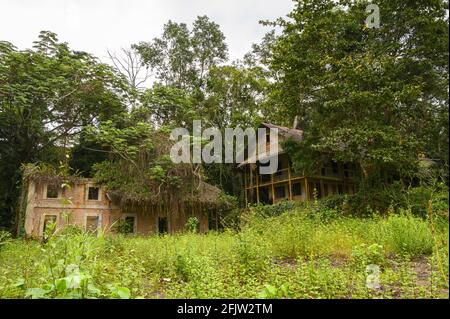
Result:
x=280 y=176
x=287 y=174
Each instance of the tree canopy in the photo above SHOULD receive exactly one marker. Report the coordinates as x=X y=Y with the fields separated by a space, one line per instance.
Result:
x=373 y=96
x=47 y=95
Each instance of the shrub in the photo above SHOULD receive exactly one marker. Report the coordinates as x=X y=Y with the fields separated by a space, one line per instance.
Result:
x=272 y=292
x=251 y=252
x=407 y=234
x=4 y=238
x=364 y=254
x=334 y=201
x=192 y=224
x=273 y=210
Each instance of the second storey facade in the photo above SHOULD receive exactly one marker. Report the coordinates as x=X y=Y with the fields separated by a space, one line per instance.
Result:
x=329 y=178
x=88 y=206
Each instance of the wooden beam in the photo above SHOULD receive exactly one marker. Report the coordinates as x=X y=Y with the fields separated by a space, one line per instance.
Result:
x=306 y=188
x=290 y=182
x=245 y=186
x=273 y=189
x=322 y=189
x=257 y=186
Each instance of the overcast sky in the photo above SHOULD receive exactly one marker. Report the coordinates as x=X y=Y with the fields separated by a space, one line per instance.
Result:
x=97 y=25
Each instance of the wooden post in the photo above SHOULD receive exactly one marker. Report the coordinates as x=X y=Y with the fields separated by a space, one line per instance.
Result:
x=257 y=186
x=273 y=189
x=245 y=186
x=306 y=188
x=322 y=189
x=290 y=182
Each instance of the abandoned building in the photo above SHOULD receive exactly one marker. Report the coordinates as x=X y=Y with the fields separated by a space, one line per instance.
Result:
x=79 y=201
x=286 y=184
x=82 y=203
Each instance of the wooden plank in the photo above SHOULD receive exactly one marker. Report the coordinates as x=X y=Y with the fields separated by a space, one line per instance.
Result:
x=290 y=182
x=273 y=189
x=257 y=186
x=306 y=188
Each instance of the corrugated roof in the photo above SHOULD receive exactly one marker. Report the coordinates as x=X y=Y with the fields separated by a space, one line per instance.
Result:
x=283 y=131
x=286 y=131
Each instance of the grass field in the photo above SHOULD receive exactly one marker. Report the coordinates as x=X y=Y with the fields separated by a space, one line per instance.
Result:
x=297 y=254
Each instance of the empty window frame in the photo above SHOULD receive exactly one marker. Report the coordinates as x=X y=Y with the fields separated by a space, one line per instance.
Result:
x=349 y=170
x=163 y=226
x=330 y=169
x=266 y=178
x=335 y=168
x=333 y=189
x=128 y=224
x=325 y=190
x=280 y=192
x=52 y=191
x=279 y=167
x=92 y=223
x=49 y=221
x=297 y=189
x=93 y=193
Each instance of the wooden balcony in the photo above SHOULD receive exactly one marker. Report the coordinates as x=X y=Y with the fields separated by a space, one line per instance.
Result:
x=286 y=175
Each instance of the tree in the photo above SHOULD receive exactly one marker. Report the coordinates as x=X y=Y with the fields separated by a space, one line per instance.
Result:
x=182 y=57
x=373 y=96
x=169 y=106
x=129 y=65
x=234 y=95
x=47 y=95
x=208 y=46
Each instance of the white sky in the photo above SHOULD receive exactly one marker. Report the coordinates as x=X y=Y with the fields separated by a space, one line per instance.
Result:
x=97 y=25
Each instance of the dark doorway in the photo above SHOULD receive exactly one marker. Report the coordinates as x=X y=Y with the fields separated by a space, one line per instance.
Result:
x=264 y=197
x=214 y=221
x=162 y=225
x=318 y=190
x=128 y=225
x=315 y=188
x=297 y=189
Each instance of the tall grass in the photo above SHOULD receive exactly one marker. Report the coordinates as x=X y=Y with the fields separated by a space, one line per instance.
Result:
x=406 y=234
x=299 y=253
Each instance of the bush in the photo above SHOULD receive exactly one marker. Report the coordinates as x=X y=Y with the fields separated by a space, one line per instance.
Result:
x=334 y=201
x=417 y=200
x=364 y=255
x=192 y=225
x=4 y=238
x=407 y=234
x=273 y=210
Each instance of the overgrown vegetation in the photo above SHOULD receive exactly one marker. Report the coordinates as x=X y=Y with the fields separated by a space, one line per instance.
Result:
x=376 y=98
x=297 y=252
x=373 y=97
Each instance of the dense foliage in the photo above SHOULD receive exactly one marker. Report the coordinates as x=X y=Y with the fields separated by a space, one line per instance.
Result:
x=297 y=254
x=377 y=97
x=47 y=95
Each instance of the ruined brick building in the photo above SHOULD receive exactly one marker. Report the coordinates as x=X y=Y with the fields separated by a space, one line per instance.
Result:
x=82 y=203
